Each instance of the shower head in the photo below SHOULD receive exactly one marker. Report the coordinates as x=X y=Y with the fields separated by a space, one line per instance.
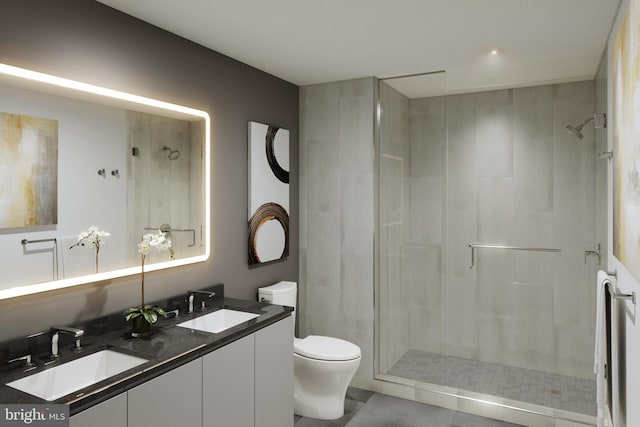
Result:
x=575 y=131
x=173 y=154
x=599 y=121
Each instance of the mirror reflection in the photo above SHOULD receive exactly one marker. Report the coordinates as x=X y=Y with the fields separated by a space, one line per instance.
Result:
x=86 y=175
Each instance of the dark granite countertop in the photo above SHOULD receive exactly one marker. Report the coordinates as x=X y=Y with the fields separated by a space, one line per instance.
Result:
x=166 y=348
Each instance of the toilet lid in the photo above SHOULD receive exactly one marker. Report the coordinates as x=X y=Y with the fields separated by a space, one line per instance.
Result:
x=326 y=348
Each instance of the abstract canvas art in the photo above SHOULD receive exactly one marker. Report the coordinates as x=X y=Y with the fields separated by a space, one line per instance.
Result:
x=625 y=72
x=28 y=171
x=268 y=224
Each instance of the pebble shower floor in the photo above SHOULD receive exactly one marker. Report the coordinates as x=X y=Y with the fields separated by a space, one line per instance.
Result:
x=526 y=385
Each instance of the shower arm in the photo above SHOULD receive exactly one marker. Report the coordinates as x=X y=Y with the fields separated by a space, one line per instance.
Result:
x=590 y=119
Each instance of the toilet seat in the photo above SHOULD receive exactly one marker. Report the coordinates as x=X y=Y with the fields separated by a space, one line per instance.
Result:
x=326 y=348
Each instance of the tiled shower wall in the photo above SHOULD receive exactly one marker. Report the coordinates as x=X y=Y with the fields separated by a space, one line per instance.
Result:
x=412 y=143
x=160 y=190
x=513 y=176
x=394 y=196
x=517 y=177
x=336 y=214
x=507 y=172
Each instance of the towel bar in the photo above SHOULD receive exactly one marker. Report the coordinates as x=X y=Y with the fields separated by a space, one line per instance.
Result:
x=54 y=240
x=26 y=242
x=166 y=228
x=616 y=295
x=475 y=246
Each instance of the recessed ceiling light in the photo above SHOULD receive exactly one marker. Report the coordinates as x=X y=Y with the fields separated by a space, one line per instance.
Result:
x=494 y=52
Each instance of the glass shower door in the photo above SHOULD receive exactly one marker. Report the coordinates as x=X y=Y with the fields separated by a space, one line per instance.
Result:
x=410 y=244
x=486 y=244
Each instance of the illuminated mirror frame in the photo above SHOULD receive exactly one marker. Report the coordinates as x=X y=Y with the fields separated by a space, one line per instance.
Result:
x=33 y=80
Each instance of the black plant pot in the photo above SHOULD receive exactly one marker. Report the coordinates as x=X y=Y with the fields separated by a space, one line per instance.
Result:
x=140 y=327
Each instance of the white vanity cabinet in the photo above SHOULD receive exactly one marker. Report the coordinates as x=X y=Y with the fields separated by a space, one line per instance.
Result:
x=274 y=375
x=110 y=413
x=227 y=385
x=247 y=383
x=172 y=399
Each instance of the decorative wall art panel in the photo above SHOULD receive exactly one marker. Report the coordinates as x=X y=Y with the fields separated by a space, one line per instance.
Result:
x=625 y=72
x=28 y=171
x=268 y=224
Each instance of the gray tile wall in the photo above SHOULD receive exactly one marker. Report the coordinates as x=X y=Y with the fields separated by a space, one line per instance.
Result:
x=336 y=214
x=517 y=177
x=394 y=201
x=512 y=175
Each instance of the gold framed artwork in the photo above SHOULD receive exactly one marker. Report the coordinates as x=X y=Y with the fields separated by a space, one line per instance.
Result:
x=28 y=171
x=625 y=73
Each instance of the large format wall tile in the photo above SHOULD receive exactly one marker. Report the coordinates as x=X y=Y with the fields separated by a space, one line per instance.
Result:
x=495 y=210
x=533 y=149
x=494 y=133
x=522 y=180
x=323 y=175
x=336 y=197
x=427 y=137
x=508 y=172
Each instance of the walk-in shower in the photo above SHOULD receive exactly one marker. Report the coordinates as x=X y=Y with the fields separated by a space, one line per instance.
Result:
x=485 y=228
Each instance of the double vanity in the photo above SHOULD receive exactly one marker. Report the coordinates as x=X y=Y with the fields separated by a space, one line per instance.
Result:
x=229 y=362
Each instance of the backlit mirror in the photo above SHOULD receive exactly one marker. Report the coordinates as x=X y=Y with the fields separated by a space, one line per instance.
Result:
x=75 y=156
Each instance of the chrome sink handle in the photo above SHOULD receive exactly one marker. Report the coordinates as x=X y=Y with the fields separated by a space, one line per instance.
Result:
x=77 y=333
x=26 y=359
x=192 y=295
x=176 y=312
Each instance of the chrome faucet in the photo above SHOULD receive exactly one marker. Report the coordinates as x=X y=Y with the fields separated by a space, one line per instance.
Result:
x=77 y=333
x=192 y=295
x=26 y=359
x=176 y=312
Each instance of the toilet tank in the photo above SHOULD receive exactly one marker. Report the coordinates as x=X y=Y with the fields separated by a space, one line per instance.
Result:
x=281 y=293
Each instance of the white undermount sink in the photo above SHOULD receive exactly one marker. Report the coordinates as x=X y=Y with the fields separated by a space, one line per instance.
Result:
x=219 y=320
x=76 y=374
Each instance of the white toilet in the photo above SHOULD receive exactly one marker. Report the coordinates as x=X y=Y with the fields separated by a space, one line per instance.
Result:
x=323 y=366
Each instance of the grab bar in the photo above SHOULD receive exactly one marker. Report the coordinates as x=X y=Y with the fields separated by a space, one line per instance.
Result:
x=166 y=229
x=616 y=295
x=475 y=246
x=26 y=242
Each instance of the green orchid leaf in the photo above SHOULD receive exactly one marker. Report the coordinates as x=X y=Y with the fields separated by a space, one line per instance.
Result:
x=150 y=316
x=131 y=310
x=132 y=315
x=161 y=312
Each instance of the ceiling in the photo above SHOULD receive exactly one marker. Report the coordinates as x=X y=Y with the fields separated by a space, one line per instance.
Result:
x=307 y=42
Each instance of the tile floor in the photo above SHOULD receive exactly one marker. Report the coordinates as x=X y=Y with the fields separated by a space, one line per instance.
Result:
x=526 y=385
x=367 y=409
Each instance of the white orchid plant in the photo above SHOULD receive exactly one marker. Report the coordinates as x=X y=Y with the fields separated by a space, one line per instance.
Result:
x=93 y=238
x=160 y=242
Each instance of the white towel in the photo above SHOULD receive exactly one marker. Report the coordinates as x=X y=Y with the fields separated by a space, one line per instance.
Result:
x=600 y=353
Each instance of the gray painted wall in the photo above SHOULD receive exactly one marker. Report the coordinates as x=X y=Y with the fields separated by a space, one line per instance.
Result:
x=87 y=41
